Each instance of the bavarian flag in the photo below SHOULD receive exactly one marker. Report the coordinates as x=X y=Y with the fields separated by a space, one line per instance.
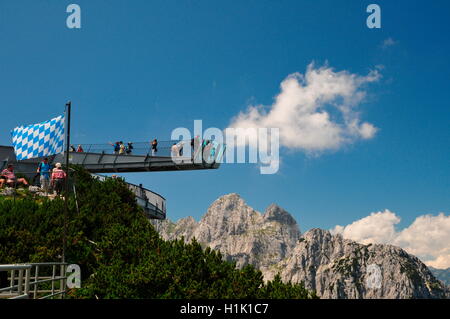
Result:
x=39 y=140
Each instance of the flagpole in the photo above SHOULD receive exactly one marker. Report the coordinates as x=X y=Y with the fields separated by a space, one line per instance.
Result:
x=66 y=196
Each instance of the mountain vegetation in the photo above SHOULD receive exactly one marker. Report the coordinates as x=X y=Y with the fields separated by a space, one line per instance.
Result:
x=119 y=252
x=330 y=265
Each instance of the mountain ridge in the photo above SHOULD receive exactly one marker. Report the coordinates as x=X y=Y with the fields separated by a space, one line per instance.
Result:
x=332 y=266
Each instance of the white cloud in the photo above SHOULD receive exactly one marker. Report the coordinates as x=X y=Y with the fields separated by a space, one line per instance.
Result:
x=315 y=112
x=377 y=228
x=428 y=237
x=388 y=43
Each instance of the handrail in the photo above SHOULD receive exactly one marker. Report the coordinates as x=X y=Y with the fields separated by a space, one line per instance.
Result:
x=139 y=148
x=14 y=267
x=22 y=290
x=164 y=148
x=148 y=196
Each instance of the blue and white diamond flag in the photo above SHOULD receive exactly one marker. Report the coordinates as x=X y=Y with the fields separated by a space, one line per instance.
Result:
x=38 y=140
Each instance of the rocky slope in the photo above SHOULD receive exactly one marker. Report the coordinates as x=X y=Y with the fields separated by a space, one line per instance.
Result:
x=339 y=268
x=239 y=232
x=330 y=265
x=441 y=274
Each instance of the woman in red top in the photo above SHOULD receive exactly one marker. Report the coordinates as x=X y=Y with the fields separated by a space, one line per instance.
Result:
x=58 y=178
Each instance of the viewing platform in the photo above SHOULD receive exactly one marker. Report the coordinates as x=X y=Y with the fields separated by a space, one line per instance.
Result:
x=103 y=159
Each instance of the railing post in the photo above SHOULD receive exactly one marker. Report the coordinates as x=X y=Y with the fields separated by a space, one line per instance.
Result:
x=20 y=283
x=36 y=276
x=62 y=281
x=53 y=278
x=27 y=281
x=13 y=280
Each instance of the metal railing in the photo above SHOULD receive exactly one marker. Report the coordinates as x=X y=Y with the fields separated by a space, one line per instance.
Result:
x=149 y=200
x=25 y=280
x=145 y=198
x=163 y=149
x=184 y=149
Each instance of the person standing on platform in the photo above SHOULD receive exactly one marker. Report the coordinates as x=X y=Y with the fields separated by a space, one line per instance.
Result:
x=58 y=178
x=116 y=146
x=174 y=150
x=44 y=172
x=129 y=148
x=121 y=148
x=154 y=147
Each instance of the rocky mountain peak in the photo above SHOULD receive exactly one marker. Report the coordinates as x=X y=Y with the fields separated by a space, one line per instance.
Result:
x=241 y=233
x=228 y=215
x=332 y=266
x=278 y=214
x=229 y=202
x=319 y=237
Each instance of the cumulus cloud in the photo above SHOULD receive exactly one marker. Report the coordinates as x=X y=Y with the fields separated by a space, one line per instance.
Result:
x=316 y=111
x=388 y=43
x=428 y=237
x=377 y=228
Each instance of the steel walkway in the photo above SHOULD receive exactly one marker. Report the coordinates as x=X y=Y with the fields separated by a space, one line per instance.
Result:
x=101 y=159
x=115 y=163
x=153 y=204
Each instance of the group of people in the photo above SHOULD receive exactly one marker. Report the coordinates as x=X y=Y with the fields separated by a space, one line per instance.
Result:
x=121 y=149
x=49 y=178
x=54 y=180
x=79 y=149
x=206 y=146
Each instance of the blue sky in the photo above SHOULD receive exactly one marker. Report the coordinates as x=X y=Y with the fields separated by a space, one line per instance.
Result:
x=138 y=69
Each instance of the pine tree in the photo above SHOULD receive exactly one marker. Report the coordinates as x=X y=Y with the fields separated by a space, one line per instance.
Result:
x=120 y=253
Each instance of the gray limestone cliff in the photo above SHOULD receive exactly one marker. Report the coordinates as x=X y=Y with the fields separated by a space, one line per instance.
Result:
x=330 y=265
